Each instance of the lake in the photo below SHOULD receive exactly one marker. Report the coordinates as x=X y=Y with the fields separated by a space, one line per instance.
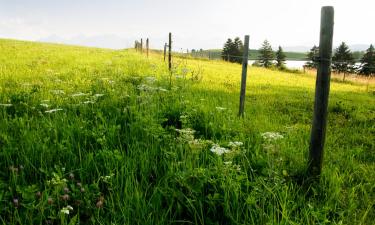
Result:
x=292 y=64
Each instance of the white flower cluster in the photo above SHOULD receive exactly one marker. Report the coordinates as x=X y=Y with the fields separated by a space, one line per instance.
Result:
x=271 y=136
x=66 y=210
x=186 y=134
x=219 y=150
x=235 y=144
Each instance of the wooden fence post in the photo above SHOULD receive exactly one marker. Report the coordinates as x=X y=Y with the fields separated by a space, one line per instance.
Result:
x=244 y=75
x=319 y=123
x=165 y=50
x=147 y=43
x=141 y=46
x=170 y=52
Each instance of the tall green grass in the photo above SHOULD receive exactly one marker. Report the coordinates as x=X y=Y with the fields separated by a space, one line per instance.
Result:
x=121 y=140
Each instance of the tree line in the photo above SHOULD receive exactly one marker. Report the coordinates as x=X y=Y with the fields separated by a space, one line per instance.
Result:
x=342 y=60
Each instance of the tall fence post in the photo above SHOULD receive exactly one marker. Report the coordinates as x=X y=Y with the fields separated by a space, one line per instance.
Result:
x=147 y=46
x=170 y=52
x=244 y=75
x=141 y=46
x=319 y=123
x=165 y=50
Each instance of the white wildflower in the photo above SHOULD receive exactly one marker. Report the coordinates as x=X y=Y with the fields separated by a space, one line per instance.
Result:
x=53 y=110
x=66 y=210
x=5 y=105
x=44 y=105
x=235 y=144
x=144 y=87
x=108 y=177
x=271 y=136
x=88 y=102
x=219 y=150
x=98 y=95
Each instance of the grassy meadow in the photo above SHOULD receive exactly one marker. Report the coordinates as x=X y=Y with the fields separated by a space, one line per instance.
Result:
x=96 y=136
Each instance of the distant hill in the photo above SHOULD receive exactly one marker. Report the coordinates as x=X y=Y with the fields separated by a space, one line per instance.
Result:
x=253 y=54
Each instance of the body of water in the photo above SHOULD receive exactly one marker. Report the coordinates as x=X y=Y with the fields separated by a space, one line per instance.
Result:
x=292 y=64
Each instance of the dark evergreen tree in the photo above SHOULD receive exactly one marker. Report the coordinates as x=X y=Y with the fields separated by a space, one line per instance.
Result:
x=313 y=56
x=280 y=58
x=368 y=62
x=233 y=50
x=342 y=60
x=227 y=49
x=237 y=50
x=266 y=54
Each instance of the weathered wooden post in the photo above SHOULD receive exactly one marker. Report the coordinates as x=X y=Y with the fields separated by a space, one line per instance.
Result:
x=319 y=123
x=141 y=46
x=147 y=42
x=165 y=50
x=170 y=52
x=244 y=75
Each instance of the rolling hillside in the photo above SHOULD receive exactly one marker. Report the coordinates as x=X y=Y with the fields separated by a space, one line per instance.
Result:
x=97 y=136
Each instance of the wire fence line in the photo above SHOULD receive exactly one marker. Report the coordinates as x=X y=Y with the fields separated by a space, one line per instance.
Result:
x=179 y=51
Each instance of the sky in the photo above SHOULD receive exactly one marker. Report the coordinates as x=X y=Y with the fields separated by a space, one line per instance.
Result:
x=194 y=23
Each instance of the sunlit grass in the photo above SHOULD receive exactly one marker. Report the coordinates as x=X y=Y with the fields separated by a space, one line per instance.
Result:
x=106 y=133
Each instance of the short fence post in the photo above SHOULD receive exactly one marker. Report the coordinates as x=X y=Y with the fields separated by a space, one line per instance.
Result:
x=141 y=46
x=319 y=123
x=147 y=42
x=170 y=52
x=244 y=75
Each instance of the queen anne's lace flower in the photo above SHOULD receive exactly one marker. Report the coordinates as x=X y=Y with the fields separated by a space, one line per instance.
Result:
x=219 y=150
x=271 y=136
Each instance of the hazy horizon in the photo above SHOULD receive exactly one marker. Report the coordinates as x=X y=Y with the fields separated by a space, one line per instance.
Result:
x=116 y=24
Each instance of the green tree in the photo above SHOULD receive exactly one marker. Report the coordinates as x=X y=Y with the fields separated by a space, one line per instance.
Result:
x=342 y=60
x=313 y=56
x=227 y=50
x=280 y=58
x=237 y=50
x=266 y=54
x=367 y=67
x=232 y=50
